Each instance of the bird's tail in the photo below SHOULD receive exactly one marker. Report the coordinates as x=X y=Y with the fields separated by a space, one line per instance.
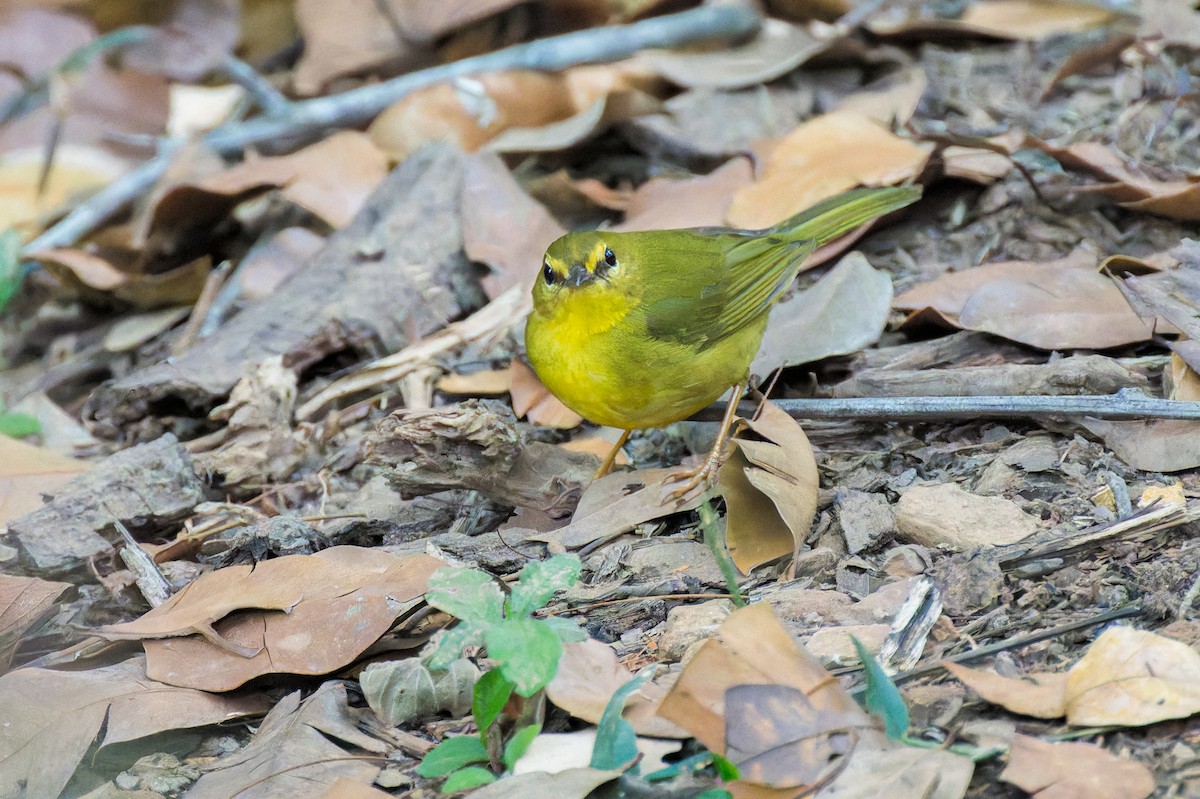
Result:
x=838 y=215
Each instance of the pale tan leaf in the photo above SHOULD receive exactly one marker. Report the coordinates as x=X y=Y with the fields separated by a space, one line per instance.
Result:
x=1043 y=696
x=821 y=158
x=1072 y=770
x=1133 y=677
x=844 y=312
x=27 y=472
x=24 y=602
x=588 y=675
x=42 y=742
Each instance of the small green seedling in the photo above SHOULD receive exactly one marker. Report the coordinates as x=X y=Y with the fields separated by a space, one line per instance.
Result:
x=508 y=700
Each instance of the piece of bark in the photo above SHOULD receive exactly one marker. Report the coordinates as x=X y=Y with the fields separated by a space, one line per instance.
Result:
x=964 y=348
x=1080 y=375
x=392 y=275
x=476 y=445
x=144 y=487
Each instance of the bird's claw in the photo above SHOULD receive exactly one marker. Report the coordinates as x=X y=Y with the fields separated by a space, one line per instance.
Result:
x=693 y=479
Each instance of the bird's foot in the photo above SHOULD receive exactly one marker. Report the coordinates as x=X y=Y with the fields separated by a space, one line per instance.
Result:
x=694 y=478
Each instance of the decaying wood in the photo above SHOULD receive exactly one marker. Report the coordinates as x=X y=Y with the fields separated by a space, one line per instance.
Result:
x=386 y=279
x=143 y=487
x=476 y=445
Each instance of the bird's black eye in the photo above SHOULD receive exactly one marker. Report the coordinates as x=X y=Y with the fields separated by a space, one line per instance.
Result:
x=610 y=257
x=548 y=274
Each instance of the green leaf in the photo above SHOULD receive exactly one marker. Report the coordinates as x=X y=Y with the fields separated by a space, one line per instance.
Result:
x=467 y=594
x=10 y=265
x=447 y=645
x=726 y=769
x=527 y=651
x=451 y=754
x=517 y=745
x=616 y=742
x=883 y=697
x=19 y=425
x=491 y=695
x=539 y=581
x=714 y=793
x=467 y=778
x=567 y=630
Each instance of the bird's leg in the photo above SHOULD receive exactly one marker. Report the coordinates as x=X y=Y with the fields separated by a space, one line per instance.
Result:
x=716 y=455
x=606 y=467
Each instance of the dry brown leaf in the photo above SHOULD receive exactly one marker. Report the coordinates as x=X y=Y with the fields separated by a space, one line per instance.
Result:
x=1185 y=383
x=484 y=383
x=778 y=48
x=821 y=158
x=503 y=226
x=1165 y=445
x=1002 y=19
x=1032 y=19
x=1074 y=770
x=1170 y=296
x=24 y=603
x=892 y=100
x=285 y=615
x=752 y=648
x=27 y=472
x=577 y=197
x=588 y=675
x=42 y=742
x=881 y=767
x=1176 y=199
x=1133 y=677
x=1064 y=304
x=331 y=178
x=295 y=752
x=665 y=203
x=615 y=504
x=347 y=38
x=1169 y=21
x=537 y=110
x=531 y=399
x=781 y=469
x=844 y=312
x=78 y=170
x=98 y=277
x=1089 y=58
x=1042 y=696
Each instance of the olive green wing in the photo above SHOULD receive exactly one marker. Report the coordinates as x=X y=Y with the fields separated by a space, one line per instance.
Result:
x=715 y=285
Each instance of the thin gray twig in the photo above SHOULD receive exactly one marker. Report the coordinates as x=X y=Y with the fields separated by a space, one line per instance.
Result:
x=306 y=119
x=1122 y=405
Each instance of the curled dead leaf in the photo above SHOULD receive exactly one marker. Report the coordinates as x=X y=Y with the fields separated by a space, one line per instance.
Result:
x=770 y=488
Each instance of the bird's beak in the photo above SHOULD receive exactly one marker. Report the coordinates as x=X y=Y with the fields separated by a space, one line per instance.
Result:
x=578 y=275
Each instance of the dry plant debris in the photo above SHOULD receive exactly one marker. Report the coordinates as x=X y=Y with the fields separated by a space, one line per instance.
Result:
x=264 y=271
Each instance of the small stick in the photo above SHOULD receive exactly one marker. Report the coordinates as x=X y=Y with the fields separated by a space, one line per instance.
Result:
x=1123 y=405
x=307 y=118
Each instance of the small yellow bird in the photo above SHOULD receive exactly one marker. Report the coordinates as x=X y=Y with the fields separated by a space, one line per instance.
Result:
x=637 y=330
